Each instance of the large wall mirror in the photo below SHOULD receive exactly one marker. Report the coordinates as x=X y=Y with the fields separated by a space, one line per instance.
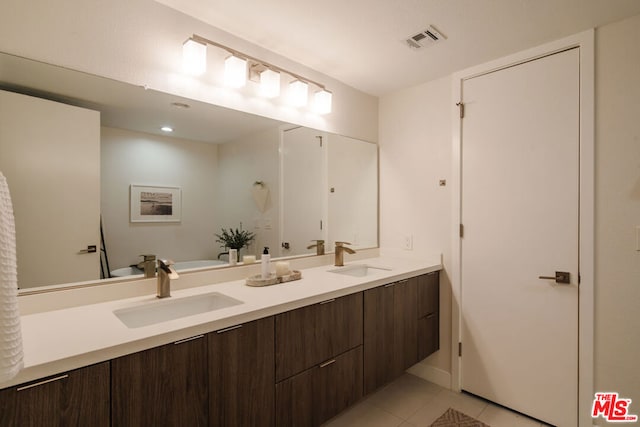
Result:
x=84 y=157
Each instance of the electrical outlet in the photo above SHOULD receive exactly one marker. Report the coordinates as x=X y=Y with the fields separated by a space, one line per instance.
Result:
x=408 y=242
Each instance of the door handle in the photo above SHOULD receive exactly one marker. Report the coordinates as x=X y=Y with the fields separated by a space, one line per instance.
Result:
x=563 y=277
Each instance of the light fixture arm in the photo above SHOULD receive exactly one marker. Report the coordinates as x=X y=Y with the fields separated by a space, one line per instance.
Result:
x=235 y=52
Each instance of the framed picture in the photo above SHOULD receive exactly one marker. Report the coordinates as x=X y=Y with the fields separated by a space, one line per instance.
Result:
x=155 y=204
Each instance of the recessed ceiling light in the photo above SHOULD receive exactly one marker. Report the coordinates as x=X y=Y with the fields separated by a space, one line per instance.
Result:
x=166 y=129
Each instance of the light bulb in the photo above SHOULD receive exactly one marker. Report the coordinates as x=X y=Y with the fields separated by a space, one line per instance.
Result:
x=269 y=83
x=322 y=101
x=194 y=57
x=298 y=93
x=235 y=71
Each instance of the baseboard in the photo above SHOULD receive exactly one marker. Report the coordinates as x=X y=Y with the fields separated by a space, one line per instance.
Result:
x=432 y=374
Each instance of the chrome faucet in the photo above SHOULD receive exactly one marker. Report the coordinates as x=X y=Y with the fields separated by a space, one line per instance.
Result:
x=148 y=265
x=340 y=250
x=319 y=247
x=166 y=272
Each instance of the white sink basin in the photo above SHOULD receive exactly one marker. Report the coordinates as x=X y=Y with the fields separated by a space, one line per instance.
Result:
x=171 y=309
x=359 y=270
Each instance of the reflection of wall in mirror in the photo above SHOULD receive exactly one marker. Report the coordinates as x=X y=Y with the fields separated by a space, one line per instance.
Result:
x=353 y=205
x=241 y=163
x=138 y=158
x=216 y=181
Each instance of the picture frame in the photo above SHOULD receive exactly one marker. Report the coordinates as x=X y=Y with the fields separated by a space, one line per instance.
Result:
x=155 y=203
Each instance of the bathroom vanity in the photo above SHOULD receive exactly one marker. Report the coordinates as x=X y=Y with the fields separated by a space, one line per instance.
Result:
x=293 y=354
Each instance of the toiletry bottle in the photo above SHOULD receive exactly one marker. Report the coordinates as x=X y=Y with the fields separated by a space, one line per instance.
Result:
x=233 y=256
x=266 y=263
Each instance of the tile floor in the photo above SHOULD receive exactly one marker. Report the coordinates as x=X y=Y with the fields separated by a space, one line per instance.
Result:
x=413 y=402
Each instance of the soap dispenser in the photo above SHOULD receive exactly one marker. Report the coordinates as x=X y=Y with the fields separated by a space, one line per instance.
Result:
x=266 y=263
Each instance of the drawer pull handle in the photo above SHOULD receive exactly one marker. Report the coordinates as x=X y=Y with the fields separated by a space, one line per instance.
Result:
x=389 y=285
x=222 y=331
x=61 y=377
x=429 y=316
x=330 y=362
x=403 y=281
x=328 y=301
x=197 y=337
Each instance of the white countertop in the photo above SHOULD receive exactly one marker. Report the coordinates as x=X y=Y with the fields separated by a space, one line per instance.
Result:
x=61 y=340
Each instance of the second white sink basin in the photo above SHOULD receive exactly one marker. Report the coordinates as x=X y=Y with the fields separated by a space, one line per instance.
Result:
x=358 y=270
x=171 y=309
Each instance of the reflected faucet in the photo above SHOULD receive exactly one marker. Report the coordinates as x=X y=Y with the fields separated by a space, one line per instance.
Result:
x=319 y=247
x=166 y=272
x=340 y=250
x=148 y=265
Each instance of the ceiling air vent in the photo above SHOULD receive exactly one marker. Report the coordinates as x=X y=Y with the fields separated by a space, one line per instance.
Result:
x=425 y=38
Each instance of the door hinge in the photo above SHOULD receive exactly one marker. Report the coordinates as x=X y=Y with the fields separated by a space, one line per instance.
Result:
x=461 y=107
x=459 y=349
x=461 y=230
x=320 y=224
x=320 y=139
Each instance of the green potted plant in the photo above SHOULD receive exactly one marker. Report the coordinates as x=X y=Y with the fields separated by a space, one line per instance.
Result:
x=235 y=239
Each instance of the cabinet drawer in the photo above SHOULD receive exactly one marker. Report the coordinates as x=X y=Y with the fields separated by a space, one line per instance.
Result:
x=428 y=293
x=428 y=335
x=79 y=397
x=307 y=336
x=318 y=394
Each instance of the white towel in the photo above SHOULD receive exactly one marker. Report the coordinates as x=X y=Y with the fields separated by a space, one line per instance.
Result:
x=11 y=360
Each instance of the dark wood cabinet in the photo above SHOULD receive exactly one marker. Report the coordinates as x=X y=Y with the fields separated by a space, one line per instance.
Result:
x=390 y=332
x=428 y=314
x=318 y=361
x=76 y=398
x=318 y=394
x=310 y=335
x=241 y=375
x=297 y=368
x=162 y=386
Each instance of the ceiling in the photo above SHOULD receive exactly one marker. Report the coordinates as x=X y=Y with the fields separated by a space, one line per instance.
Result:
x=127 y=106
x=361 y=42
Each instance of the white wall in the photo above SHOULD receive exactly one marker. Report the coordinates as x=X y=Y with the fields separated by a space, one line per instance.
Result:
x=617 y=292
x=140 y=42
x=138 y=158
x=415 y=153
x=241 y=163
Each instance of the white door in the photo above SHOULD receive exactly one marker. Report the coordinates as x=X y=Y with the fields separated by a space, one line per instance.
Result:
x=303 y=196
x=519 y=208
x=57 y=214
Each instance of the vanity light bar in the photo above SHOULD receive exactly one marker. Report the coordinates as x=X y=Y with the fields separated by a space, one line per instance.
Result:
x=236 y=73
